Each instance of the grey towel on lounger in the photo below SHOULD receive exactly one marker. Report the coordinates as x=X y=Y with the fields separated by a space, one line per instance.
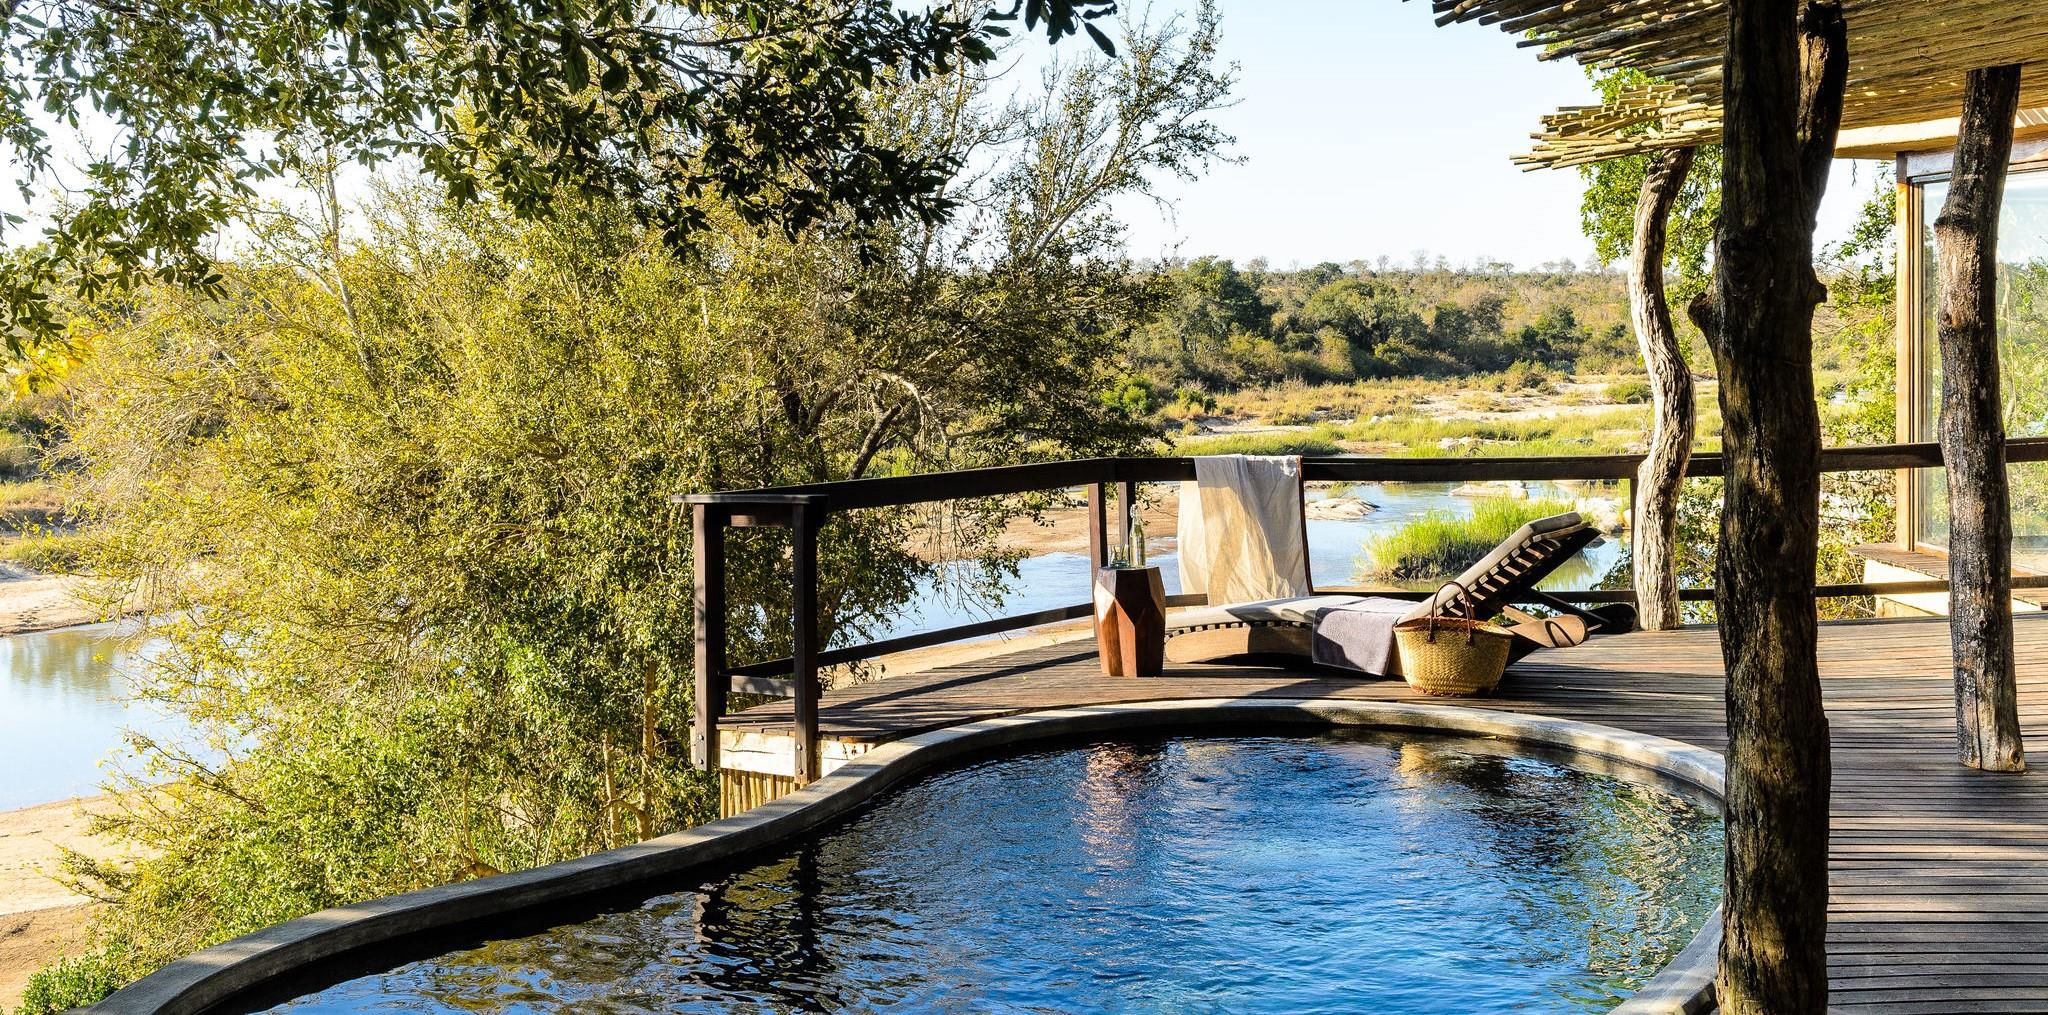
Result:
x=1360 y=636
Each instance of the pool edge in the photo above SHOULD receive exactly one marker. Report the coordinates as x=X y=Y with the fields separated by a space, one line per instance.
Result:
x=214 y=978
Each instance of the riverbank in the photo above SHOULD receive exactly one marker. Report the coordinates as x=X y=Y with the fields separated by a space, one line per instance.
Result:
x=40 y=919
x=41 y=602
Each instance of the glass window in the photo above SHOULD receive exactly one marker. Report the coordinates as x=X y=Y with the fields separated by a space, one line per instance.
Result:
x=2023 y=358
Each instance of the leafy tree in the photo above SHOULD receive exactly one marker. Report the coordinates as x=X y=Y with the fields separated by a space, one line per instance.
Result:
x=1607 y=207
x=1659 y=208
x=1217 y=300
x=1550 y=338
x=1451 y=325
x=185 y=105
x=402 y=505
x=1324 y=324
x=1367 y=315
x=1212 y=307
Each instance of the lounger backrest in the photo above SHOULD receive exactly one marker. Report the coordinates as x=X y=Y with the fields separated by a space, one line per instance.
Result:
x=1515 y=566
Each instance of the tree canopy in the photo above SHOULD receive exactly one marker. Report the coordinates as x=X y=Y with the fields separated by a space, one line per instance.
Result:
x=178 y=108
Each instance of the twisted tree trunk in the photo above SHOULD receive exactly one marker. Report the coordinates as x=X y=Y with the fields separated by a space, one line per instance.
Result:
x=1785 y=71
x=1973 y=429
x=1661 y=478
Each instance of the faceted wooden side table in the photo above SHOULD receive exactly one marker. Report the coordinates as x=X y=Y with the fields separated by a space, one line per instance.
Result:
x=1130 y=621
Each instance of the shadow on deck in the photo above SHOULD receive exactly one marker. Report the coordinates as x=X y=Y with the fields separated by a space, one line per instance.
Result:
x=1939 y=898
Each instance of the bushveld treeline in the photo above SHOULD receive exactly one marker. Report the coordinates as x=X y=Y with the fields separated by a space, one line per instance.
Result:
x=1227 y=327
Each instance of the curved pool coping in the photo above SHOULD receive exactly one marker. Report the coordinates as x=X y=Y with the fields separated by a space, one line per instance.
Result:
x=297 y=951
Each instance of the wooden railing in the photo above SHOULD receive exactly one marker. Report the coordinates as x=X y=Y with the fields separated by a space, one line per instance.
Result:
x=804 y=510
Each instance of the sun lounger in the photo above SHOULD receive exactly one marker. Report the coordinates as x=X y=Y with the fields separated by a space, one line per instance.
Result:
x=1499 y=582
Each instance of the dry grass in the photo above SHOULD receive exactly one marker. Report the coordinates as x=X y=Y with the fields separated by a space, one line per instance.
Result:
x=31 y=506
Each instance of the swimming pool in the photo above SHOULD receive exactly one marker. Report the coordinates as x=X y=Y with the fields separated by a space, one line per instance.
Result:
x=1341 y=870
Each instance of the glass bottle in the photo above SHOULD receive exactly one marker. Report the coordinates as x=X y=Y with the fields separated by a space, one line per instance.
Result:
x=1137 y=538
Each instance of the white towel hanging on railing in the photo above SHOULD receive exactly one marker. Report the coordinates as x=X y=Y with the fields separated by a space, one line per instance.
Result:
x=1241 y=534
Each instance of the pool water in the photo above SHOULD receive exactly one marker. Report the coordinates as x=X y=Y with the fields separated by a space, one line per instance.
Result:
x=1344 y=872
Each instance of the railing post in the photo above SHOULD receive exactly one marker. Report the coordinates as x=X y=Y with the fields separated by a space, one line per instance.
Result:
x=804 y=521
x=1628 y=512
x=1098 y=525
x=707 y=523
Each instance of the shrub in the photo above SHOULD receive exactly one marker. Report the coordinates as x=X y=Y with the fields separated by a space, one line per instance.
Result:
x=1629 y=392
x=1524 y=375
x=1440 y=545
x=1192 y=400
x=76 y=981
x=1134 y=397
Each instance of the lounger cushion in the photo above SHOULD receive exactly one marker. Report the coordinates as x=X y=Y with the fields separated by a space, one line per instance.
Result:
x=1298 y=610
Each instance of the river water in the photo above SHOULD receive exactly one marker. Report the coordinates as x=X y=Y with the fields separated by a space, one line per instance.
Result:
x=66 y=696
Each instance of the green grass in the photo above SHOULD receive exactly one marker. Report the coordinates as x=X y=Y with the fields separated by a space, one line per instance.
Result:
x=1440 y=545
x=1580 y=433
x=1617 y=430
x=1319 y=441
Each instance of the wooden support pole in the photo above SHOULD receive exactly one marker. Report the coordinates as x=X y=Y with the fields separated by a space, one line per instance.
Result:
x=1910 y=408
x=1973 y=428
x=1098 y=526
x=1785 y=69
x=707 y=528
x=1661 y=479
x=804 y=522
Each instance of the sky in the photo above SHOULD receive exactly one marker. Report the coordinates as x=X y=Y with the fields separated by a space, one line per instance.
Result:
x=1367 y=131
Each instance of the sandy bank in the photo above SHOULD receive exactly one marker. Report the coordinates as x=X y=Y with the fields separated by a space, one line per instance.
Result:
x=39 y=918
x=30 y=839
x=41 y=602
x=30 y=941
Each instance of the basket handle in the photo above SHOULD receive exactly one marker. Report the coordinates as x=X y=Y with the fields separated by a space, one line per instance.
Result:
x=1471 y=629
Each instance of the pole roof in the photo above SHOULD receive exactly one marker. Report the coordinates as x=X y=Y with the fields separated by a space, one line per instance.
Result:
x=1907 y=63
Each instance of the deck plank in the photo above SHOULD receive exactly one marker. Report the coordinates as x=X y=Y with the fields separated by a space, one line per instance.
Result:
x=1939 y=888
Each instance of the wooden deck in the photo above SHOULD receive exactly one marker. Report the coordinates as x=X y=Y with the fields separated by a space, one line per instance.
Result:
x=1940 y=875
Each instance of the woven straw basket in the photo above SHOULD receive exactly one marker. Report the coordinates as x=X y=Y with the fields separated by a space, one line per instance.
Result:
x=1436 y=660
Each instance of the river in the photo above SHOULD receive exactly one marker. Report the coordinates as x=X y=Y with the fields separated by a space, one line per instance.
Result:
x=65 y=699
